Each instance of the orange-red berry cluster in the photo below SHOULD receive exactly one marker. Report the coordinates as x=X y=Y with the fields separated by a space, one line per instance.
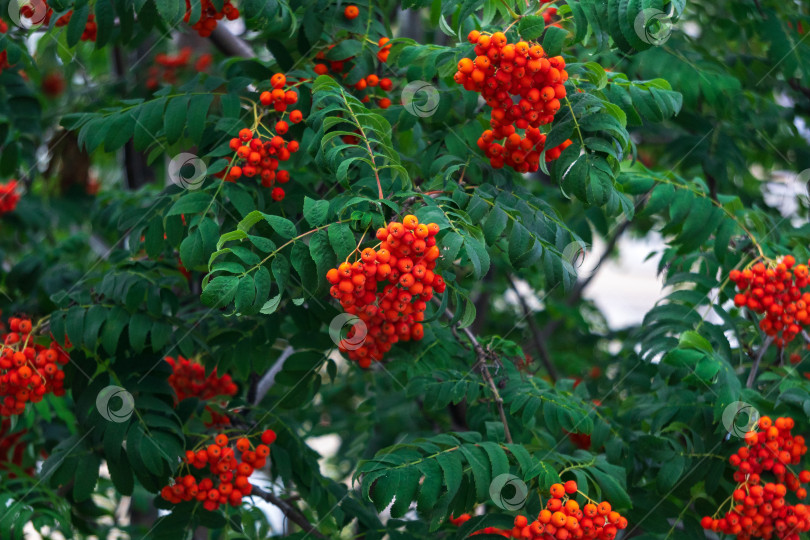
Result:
x=549 y=13
x=259 y=154
x=189 y=380
x=9 y=197
x=368 y=85
x=28 y=370
x=563 y=519
x=502 y=70
x=228 y=478
x=776 y=292
x=210 y=16
x=404 y=262
x=90 y=27
x=759 y=509
x=168 y=65
x=28 y=11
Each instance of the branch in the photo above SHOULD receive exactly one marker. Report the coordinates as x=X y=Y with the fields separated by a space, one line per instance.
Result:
x=579 y=288
x=794 y=83
x=292 y=513
x=753 y=375
x=229 y=44
x=538 y=342
x=266 y=382
x=481 y=360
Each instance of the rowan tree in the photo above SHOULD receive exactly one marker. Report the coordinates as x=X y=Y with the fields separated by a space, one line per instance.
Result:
x=233 y=230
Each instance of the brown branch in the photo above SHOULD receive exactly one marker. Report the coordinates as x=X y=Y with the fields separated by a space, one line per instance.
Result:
x=481 y=362
x=542 y=351
x=753 y=374
x=579 y=288
x=794 y=83
x=292 y=513
x=229 y=44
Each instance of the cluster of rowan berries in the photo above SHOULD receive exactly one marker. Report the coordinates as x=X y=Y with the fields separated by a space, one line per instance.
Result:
x=259 y=153
x=90 y=27
x=549 y=13
x=759 y=509
x=28 y=370
x=563 y=519
x=776 y=291
x=368 y=85
x=189 y=380
x=168 y=65
x=210 y=16
x=12 y=449
x=502 y=70
x=405 y=259
x=29 y=11
x=9 y=197
x=227 y=481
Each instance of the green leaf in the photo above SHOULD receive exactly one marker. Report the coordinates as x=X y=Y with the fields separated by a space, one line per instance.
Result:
x=76 y=25
x=190 y=203
x=406 y=491
x=316 y=212
x=139 y=327
x=531 y=27
x=175 y=117
x=553 y=40
x=170 y=11
x=342 y=240
x=197 y=113
x=86 y=476
x=612 y=490
x=479 y=464
x=282 y=226
x=692 y=340
x=111 y=333
x=220 y=291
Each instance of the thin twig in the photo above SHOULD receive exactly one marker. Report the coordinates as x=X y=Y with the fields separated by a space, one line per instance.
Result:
x=267 y=380
x=292 y=513
x=481 y=361
x=753 y=375
x=535 y=331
